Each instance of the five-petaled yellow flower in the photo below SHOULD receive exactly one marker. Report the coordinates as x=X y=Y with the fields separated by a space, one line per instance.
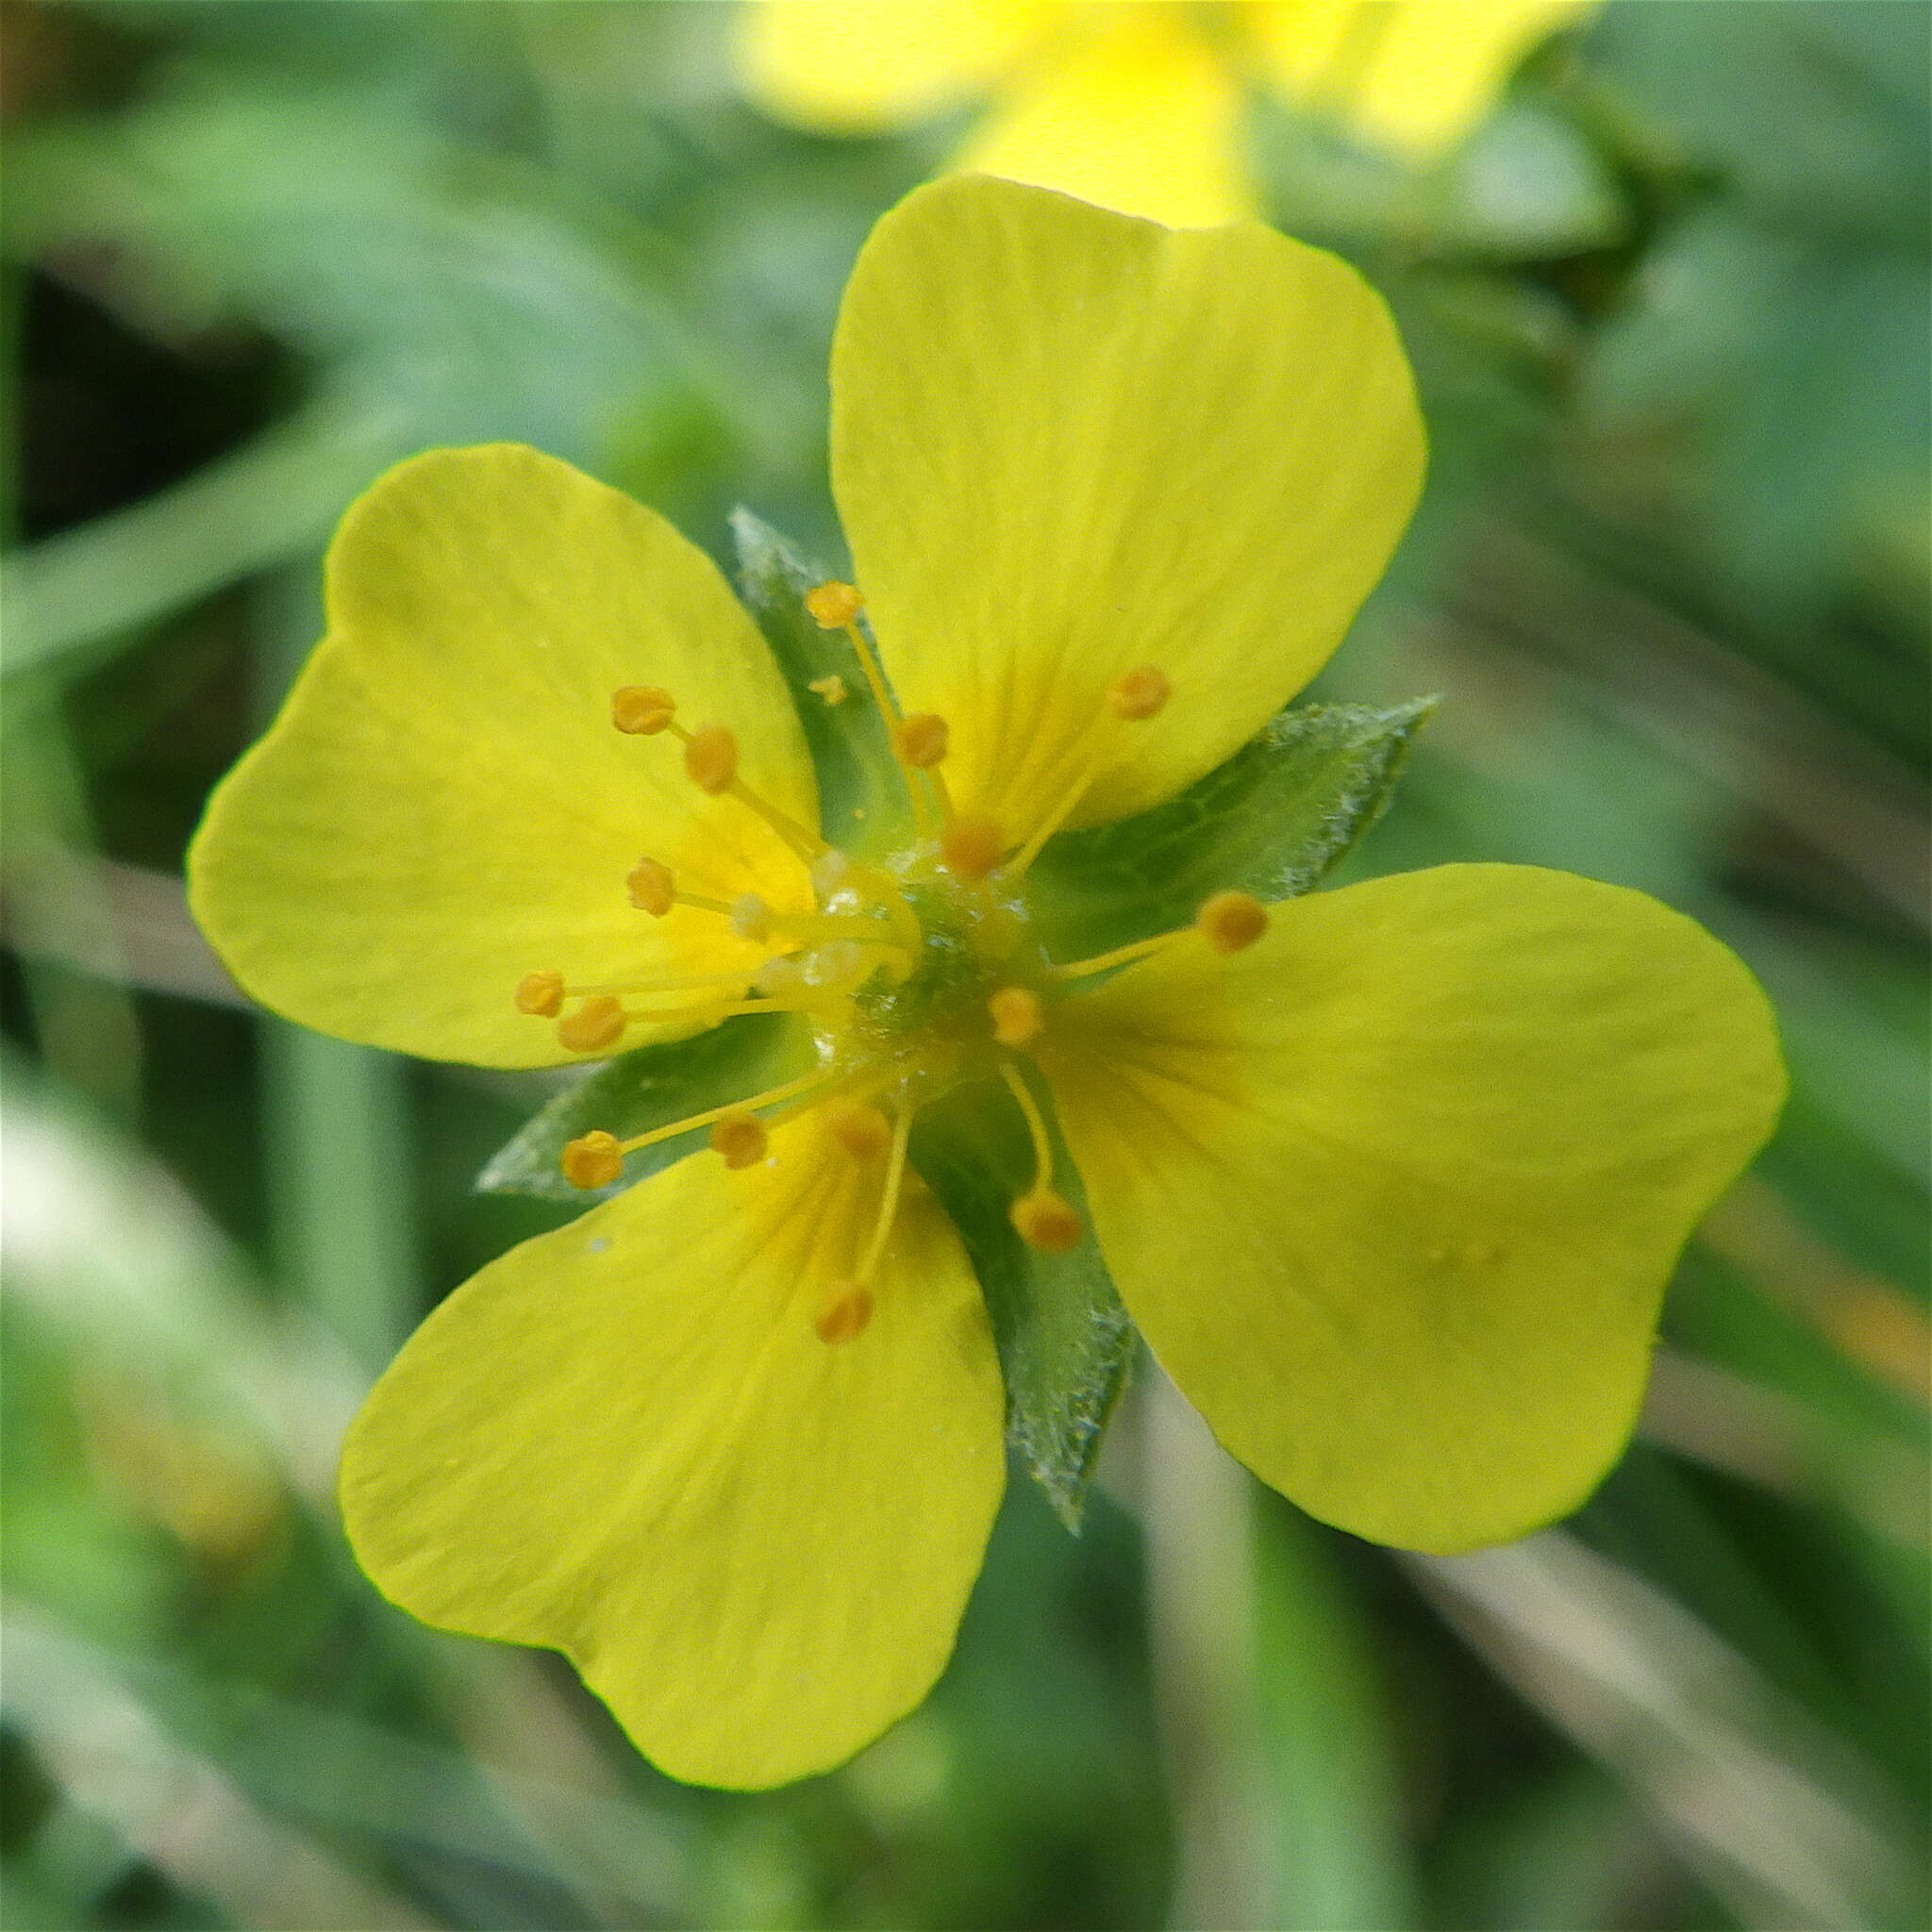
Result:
x=1390 y=1177
x=1137 y=104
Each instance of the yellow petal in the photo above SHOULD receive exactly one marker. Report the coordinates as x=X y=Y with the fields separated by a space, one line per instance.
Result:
x=625 y=1441
x=443 y=806
x=1394 y=1194
x=1066 y=443
x=1130 y=108
x=862 y=66
x=1415 y=75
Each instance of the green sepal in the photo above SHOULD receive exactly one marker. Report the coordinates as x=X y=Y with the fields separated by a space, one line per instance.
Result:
x=649 y=1089
x=1271 y=820
x=1064 y=1340
x=862 y=798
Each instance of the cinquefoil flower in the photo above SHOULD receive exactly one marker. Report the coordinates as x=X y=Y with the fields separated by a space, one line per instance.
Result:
x=1391 y=1179
x=1138 y=104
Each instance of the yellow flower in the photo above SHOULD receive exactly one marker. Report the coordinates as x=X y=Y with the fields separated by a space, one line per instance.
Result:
x=1136 y=105
x=1391 y=1179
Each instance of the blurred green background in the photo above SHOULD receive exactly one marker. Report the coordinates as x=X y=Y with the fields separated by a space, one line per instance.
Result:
x=1670 y=309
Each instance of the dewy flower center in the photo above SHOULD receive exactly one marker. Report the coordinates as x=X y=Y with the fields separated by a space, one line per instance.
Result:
x=918 y=974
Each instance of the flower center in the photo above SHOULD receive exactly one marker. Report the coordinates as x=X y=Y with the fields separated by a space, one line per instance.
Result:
x=917 y=973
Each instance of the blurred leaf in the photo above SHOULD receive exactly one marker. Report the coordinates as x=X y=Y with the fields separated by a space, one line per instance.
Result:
x=1525 y=185
x=273 y=498
x=1063 y=1338
x=1271 y=820
x=1816 y=107
x=640 y=1092
x=482 y=302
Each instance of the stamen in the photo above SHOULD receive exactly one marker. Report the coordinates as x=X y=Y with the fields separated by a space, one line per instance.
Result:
x=918 y=744
x=540 y=994
x=1042 y=1218
x=970 y=848
x=1018 y=1016
x=1134 y=697
x=863 y=1131
x=817 y=1078
x=780 y=976
x=592 y=1159
x=652 y=886
x=848 y=1308
x=751 y=918
x=711 y=758
x=921 y=742
x=596 y=1025
x=1120 y=955
x=838 y=963
x=740 y=1138
x=1229 y=922
x=1232 y=921
x=833 y=605
x=643 y=710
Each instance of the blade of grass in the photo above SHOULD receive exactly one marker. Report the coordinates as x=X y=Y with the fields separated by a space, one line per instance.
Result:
x=1778 y=1818
x=336 y=1137
x=1199 y=1535
x=1339 y=1855
x=268 y=500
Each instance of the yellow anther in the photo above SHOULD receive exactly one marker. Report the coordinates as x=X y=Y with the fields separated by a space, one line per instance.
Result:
x=919 y=740
x=970 y=847
x=864 y=1132
x=1018 y=1016
x=832 y=689
x=1046 y=1220
x=652 y=886
x=844 y=1316
x=1232 y=921
x=540 y=994
x=594 y=1024
x=643 y=710
x=833 y=606
x=592 y=1159
x=1140 y=694
x=751 y=918
x=740 y=1138
x=711 y=758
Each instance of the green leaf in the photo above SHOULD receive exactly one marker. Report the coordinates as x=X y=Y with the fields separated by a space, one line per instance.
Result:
x=1271 y=821
x=1064 y=1340
x=861 y=793
x=645 y=1090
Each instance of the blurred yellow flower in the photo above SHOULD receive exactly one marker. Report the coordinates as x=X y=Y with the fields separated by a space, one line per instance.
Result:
x=1136 y=105
x=1391 y=1179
